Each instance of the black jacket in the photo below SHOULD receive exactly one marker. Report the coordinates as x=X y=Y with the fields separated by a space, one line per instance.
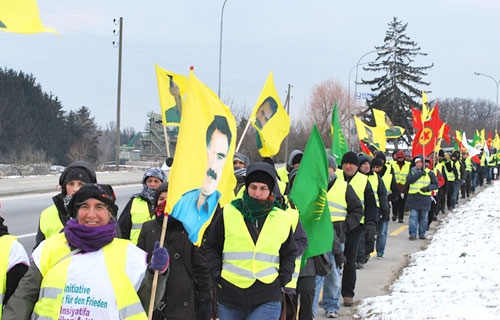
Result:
x=189 y=277
x=258 y=293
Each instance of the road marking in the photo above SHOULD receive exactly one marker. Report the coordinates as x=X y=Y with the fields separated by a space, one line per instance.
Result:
x=26 y=235
x=398 y=230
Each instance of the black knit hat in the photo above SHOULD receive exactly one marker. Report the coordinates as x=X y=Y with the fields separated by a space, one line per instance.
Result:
x=101 y=192
x=377 y=162
x=362 y=159
x=441 y=153
x=381 y=156
x=261 y=172
x=163 y=187
x=78 y=170
x=350 y=157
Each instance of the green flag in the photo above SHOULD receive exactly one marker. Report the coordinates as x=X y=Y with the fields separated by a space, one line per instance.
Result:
x=339 y=145
x=309 y=196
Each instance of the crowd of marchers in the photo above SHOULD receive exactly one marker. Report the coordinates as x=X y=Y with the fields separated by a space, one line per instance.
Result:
x=91 y=261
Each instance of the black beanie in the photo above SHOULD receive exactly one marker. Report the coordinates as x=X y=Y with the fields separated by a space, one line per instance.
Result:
x=101 y=192
x=78 y=170
x=377 y=162
x=261 y=172
x=362 y=159
x=381 y=156
x=350 y=157
x=441 y=153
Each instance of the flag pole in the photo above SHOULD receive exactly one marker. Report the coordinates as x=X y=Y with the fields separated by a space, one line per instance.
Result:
x=242 y=136
x=155 y=276
x=166 y=141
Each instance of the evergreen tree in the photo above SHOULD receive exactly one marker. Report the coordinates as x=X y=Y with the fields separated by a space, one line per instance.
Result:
x=29 y=119
x=399 y=82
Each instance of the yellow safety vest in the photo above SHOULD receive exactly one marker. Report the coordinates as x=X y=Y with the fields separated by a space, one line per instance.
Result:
x=422 y=182
x=358 y=183
x=450 y=175
x=336 y=200
x=50 y=223
x=401 y=173
x=294 y=218
x=468 y=164
x=387 y=179
x=139 y=212
x=243 y=261
x=492 y=160
x=54 y=264
x=6 y=242
x=373 y=179
x=282 y=174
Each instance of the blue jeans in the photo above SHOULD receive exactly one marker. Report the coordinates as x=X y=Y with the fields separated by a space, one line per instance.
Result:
x=418 y=219
x=474 y=181
x=331 y=288
x=381 y=236
x=268 y=310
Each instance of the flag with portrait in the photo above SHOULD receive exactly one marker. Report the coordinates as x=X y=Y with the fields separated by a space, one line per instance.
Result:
x=171 y=90
x=202 y=173
x=270 y=120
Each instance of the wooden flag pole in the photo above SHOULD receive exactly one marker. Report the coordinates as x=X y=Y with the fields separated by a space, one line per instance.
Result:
x=155 y=276
x=166 y=141
x=243 y=135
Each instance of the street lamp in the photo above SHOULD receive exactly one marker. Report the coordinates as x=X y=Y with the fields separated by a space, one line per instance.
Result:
x=359 y=61
x=220 y=43
x=496 y=83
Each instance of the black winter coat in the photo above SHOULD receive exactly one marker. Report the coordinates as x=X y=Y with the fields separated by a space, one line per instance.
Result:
x=189 y=277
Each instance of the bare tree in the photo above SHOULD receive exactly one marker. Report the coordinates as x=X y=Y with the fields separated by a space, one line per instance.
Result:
x=319 y=108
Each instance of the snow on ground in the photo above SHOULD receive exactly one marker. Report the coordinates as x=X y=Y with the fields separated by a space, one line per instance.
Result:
x=457 y=276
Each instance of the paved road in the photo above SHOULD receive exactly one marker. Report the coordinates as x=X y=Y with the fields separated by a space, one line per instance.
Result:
x=48 y=183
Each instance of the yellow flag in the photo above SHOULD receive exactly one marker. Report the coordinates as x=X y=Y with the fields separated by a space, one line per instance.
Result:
x=21 y=16
x=496 y=141
x=426 y=110
x=374 y=136
x=202 y=173
x=382 y=120
x=440 y=138
x=171 y=89
x=481 y=134
x=270 y=120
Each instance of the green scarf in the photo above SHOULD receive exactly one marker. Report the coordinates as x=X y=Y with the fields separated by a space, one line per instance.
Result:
x=253 y=209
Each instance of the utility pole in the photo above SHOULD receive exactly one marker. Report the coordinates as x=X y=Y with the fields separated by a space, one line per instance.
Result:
x=118 y=98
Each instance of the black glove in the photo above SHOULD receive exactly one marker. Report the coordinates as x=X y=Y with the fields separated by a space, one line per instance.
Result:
x=339 y=260
x=424 y=189
x=370 y=231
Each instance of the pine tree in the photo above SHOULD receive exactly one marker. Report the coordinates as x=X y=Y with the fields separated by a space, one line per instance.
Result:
x=399 y=82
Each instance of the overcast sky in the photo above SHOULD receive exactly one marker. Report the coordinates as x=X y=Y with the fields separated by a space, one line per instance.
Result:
x=302 y=42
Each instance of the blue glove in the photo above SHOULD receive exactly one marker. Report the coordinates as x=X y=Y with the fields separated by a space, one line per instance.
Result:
x=160 y=259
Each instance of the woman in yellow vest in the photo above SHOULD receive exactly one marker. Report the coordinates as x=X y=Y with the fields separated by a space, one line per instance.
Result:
x=54 y=218
x=85 y=272
x=251 y=250
x=421 y=182
x=14 y=263
x=140 y=208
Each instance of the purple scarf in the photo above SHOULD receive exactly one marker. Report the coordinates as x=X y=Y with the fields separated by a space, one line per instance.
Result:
x=89 y=239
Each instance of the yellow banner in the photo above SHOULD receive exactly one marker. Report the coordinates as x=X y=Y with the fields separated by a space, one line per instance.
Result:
x=270 y=120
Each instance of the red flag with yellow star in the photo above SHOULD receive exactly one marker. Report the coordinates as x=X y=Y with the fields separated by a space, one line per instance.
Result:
x=428 y=135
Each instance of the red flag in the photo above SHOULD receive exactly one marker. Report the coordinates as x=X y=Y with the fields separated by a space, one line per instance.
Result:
x=490 y=139
x=416 y=118
x=365 y=148
x=428 y=135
